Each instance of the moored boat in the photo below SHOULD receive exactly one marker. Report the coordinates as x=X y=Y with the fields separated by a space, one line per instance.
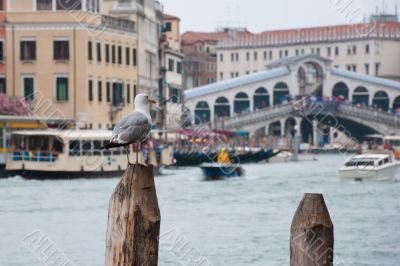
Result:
x=378 y=167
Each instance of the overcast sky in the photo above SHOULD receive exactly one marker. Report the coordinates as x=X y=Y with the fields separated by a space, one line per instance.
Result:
x=260 y=15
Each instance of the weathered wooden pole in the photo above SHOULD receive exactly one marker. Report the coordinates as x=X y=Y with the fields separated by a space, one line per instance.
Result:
x=133 y=220
x=311 y=234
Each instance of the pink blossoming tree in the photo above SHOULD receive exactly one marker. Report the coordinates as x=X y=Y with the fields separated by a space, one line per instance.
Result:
x=13 y=105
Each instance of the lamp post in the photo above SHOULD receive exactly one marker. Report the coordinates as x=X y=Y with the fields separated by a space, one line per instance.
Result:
x=296 y=143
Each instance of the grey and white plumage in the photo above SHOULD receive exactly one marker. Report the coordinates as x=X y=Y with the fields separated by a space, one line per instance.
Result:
x=135 y=127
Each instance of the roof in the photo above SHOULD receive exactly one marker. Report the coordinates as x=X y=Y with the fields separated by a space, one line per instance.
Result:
x=68 y=134
x=316 y=34
x=332 y=28
x=366 y=78
x=191 y=37
x=236 y=82
x=14 y=118
x=370 y=156
x=170 y=17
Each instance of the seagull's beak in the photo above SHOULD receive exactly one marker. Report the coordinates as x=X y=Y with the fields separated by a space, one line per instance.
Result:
x=152 y=101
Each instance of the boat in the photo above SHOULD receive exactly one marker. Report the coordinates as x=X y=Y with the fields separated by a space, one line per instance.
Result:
x=65 y=154
x=214 y=171
x=197 y=158
x=378 y=167
x=11 y=123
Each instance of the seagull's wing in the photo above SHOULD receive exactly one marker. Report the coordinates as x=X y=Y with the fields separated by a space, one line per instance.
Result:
x=133 y=128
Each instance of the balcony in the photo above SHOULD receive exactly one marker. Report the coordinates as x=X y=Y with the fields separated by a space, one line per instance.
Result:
x=118 y=23
x=127 y=7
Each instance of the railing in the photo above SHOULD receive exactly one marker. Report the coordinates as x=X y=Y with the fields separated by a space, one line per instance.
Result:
x=258 y=116
x=370 y=114
x=34 y=156
x=312 y=108
x=118 y=23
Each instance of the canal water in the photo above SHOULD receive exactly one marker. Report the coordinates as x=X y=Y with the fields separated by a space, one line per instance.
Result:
x=243 y=221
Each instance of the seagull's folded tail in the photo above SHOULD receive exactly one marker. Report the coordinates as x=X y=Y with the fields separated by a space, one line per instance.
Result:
x=113 y=145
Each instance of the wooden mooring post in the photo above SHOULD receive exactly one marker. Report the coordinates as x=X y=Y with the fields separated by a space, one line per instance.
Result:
x=133 y=220
x=311 y=234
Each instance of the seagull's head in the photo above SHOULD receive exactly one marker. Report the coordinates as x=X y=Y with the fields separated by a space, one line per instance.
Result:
x=142 y=101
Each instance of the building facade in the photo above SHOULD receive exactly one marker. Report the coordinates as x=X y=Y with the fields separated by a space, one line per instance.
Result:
x=172 y=66
x=200 y=49
x=363 y=48
x=147 y=15
x=72 y=59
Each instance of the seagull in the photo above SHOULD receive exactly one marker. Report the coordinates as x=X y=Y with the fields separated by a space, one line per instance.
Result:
x=133 y=128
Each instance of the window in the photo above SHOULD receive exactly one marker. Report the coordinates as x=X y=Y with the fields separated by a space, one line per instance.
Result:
x=221 y=57
x=90 y=90
x=100 y=91
x=196 y=82
x=43 y=4
x=367 y=68
x=62 y=89
x=127 y=56
x=113 y=59
x=98 y=51
x=1 y=50
x=61 y=50
x=134 y=61
x=237 y=56
x=179 y=67
x=354 y=49
x=248 y=56
x=286 y=53
x=221 y=75
x=120 y=55
x=69 y=4
x=3 y=85
x=29 y=87
x=28 y=50
x=90 y=51
x=108 y=92
x=377 y=66
x=134 y=92
x=329 y=51
x=128 y=92
x=93 y=5
x=167 y=27
x=232 y=57
x=107 y=53
x=270 y=55
x=318 y=51
x=367 y=49
x=281 y=54
x=171 y=65
x=336 y=50
x=118 y=93
x=265 y=55
x=255 y=56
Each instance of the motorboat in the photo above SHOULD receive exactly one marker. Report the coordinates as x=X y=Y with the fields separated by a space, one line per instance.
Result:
x=369 y=167
x=212 y=171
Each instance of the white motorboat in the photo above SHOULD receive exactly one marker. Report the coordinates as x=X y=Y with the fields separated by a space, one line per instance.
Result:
x=369 y=167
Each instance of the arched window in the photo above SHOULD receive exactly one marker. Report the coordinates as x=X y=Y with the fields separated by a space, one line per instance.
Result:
x=281 y=93
x=202 y=113
x=261 y=98
x=381 y=100
x=396 y=103
x=241 y=103
x=222 y=108
x=340 y=90
x=361 y=96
